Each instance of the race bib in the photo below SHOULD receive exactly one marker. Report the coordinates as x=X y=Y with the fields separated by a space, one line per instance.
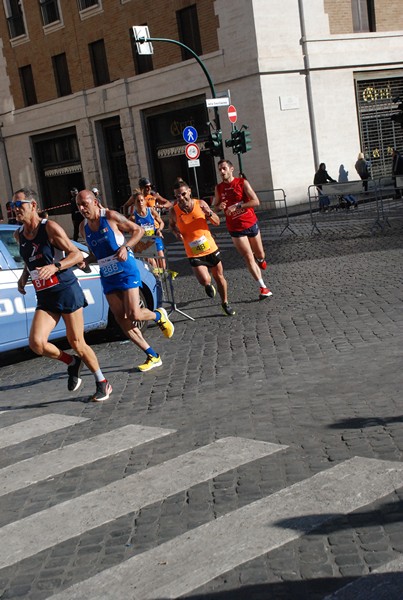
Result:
x=43 y=284
x=200 y=245
x=110 y=265
x=149 y=229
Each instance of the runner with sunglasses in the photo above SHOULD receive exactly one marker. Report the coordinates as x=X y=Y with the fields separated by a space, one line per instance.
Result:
x=49 y=256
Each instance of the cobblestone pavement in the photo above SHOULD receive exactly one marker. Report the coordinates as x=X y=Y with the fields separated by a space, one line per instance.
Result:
x=315 y=372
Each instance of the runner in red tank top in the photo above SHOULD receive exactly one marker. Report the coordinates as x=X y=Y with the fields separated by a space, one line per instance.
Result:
x=237 y=199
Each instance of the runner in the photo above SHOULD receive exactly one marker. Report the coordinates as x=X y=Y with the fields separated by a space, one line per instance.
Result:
x=120 y=278
x=236 y=197
x=151 y=222
x=49 y=257
x=188 y=222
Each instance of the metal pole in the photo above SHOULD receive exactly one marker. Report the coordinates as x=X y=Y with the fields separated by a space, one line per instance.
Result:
x=197 y=185
x=203 y=66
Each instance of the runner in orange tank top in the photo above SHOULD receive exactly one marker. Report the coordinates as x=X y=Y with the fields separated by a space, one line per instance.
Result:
x=188 y=222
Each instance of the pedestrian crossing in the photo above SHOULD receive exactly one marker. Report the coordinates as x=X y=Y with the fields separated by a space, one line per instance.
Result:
x=184 y=563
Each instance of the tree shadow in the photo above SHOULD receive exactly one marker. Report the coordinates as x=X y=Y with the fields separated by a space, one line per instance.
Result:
x=362 y=422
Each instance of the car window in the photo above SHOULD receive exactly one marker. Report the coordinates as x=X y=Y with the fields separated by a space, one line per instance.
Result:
x=7 y=237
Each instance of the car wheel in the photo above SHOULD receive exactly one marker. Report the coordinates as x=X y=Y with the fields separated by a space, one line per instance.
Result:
x=142 y=325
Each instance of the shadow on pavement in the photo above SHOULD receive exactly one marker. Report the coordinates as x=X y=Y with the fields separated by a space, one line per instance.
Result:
x=362 y=422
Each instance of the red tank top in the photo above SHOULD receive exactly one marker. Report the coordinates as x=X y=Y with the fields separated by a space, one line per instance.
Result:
x=231 y=193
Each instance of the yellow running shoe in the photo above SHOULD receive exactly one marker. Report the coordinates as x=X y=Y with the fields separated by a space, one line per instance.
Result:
x=166 y=326
x=150 y=363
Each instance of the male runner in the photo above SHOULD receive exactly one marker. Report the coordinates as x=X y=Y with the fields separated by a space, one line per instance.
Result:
x=49 y=255
x=236 y=197
x=120 y=277
x=188 y=222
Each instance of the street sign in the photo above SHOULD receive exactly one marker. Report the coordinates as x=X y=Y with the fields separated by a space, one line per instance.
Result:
x=189 y=134
x=232 y=114
x=192 y=151
x=211 y=102
x=194 y=163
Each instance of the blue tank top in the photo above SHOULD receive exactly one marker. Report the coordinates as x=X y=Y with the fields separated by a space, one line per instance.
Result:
x=104 y=243
x=147 y=222
x=40 y=252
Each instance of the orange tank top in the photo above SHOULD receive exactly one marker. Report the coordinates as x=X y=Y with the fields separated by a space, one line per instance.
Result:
x=193 y=226
x=150 y=200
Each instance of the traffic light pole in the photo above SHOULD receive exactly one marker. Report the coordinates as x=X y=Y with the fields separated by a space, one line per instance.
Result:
x=142 y=40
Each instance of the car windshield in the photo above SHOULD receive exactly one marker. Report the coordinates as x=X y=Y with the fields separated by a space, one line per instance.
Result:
x=7 y=237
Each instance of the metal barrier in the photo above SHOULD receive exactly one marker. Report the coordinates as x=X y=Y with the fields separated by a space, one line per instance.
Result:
x=390 y=192
x=348 y=201
x=159 y=265
x=275 y=208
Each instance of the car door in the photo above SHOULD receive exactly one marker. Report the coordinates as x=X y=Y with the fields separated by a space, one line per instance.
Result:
x=13 y=314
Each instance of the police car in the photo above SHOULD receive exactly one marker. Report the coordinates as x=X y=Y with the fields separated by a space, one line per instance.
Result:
x=16 y=310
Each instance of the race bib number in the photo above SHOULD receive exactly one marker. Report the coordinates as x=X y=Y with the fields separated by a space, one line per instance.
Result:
x=149 y=229
x=200 y=245
x=43 y=284
x=110 y=266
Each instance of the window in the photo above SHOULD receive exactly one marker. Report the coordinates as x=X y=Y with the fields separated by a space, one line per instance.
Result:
x=363 y=15
x=143 y=62
x=99 y=63
x=28 y=85
x=50 y=11
x=188 y=28
x=83 y=4
x=61 y=72
x=15 y=18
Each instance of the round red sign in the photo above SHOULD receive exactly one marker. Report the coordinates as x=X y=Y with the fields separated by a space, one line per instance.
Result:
x=192 y=151
x=232 y=114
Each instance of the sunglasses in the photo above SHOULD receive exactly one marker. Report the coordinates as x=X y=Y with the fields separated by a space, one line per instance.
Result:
x=19 y=203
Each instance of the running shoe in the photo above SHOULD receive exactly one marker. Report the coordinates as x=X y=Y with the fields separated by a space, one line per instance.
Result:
x=102 y=393
x=150 y=363
x=166 y=326
x=228 y=310
x=262 y=264
x=210 y=290
x=73 y=371
x=264 y=293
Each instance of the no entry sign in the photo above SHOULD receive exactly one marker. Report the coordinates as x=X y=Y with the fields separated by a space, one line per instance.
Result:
x=232 y=114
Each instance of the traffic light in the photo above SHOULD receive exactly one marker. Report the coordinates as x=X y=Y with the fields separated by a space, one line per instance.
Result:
x=398 y=117
x=214 y=143
x=246 y=143
x=235 y=141
x=240 y=141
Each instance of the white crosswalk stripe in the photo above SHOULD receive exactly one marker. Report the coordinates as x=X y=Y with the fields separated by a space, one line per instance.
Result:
x=44 y=466
x=185 y=563
x=42 y=530
x=21 y=432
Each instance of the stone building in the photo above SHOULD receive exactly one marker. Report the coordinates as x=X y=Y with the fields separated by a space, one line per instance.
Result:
x=314 y=80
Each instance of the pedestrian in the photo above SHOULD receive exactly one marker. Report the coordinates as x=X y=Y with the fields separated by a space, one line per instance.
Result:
x=104 y=231
x=49 y=257
x=361 y=166
x=151 y=222
x=188 y=222
x=76 y=216
x=397 y=171
x=321 y=177
x=237 y=199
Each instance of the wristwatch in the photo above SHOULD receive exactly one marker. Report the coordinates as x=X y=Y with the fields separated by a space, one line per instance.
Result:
x=58 y=265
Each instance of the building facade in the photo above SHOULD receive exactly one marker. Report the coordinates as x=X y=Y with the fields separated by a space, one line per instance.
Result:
x=314 y=80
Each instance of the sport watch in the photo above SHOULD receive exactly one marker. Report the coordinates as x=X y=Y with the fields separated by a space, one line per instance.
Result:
x=58 y=265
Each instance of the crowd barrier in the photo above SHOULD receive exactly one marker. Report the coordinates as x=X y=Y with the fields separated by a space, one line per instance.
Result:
x=350 y=201
x=390 y=195
x=158 y=264
x=274 y=208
